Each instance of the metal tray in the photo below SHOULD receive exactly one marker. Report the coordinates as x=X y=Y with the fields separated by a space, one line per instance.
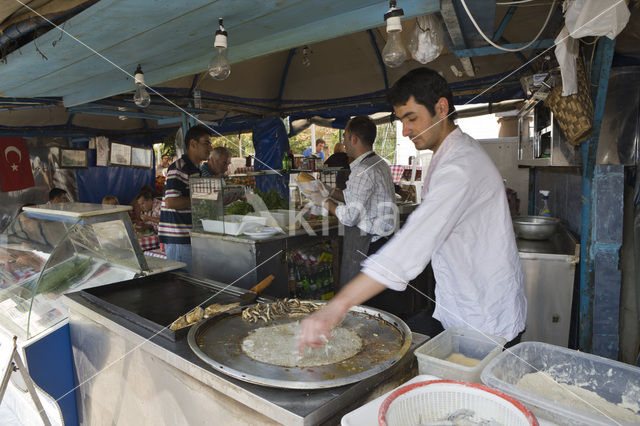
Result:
x=154 y=302
x=385 y=338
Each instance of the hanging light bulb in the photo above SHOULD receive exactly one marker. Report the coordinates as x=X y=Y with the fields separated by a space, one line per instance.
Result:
x=141 y=97
x=393 y=53
x=219 y=67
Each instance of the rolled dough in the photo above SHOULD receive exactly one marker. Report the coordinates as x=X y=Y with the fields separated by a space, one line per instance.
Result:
x=278 y=345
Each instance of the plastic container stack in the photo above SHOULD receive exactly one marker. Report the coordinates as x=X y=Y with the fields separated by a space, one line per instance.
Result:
x=614 y=381
x=472 y=344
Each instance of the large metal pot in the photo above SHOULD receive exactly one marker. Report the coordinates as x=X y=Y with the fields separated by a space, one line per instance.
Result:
x=535 y=227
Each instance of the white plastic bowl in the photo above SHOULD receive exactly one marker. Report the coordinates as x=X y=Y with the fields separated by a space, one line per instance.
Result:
x=433 y=401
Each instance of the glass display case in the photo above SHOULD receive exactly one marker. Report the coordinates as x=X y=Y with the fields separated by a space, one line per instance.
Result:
x=221 y=208
x=206 y=202
x=52 y=249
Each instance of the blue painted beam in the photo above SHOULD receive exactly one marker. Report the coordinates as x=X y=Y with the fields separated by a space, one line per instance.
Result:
x=285 y=72
x=99 y=27
x=172 y=120
x=383 y=67
x=520 y=56
x=503 y=23
x=452 y=22
x=490 y=50
x=49 y=101
x=608 y=193
x=114 y=113
x=264 y=40
x=256 y=28
x=600 y=74
x=194 y=83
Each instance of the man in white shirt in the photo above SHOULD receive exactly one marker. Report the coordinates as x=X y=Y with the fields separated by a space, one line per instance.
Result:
x=367 y=208
x=463 y=226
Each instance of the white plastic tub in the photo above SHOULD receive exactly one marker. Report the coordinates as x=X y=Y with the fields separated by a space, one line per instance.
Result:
x=285 y=219
x=614 y=381
x=431 y=356
x=233 y=224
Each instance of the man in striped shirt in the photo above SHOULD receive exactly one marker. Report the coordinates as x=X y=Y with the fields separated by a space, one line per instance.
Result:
x=175 y=216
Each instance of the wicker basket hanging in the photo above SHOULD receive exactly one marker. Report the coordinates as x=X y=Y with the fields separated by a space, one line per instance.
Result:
x=574 y=113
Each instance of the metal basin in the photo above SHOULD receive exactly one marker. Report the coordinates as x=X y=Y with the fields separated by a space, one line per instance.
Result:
x=535 y=227
x=218 y=341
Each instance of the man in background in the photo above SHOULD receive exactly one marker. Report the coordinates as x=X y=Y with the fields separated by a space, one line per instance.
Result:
x=319 y=150
x=339 y=159
x=218 y=163
x=175 y=214
x=367 y=204
x=57 y=196
x=217 y=166
x=165 y=161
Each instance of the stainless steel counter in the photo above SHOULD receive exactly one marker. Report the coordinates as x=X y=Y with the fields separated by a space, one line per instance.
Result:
x=244 y=261
x=549 y=267
x=128 y=375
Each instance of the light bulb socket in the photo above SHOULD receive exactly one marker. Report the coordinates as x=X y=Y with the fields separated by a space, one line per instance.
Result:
x=394 y=24
x=220 y=40
x=220 y=33
x=139 y=79
x=394 y=12
x=393 y=17
x=138 y=76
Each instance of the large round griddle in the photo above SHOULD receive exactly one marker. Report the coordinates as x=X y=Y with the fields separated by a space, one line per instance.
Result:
x=385 y=340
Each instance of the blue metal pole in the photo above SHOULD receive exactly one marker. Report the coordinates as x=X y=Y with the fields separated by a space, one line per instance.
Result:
x=376 y=49
x=532 y=191
x=285 y=72
x=503 y=24
x=600 y=76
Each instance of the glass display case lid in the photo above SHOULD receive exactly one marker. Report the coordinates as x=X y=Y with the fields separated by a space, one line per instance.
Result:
x=52 y=249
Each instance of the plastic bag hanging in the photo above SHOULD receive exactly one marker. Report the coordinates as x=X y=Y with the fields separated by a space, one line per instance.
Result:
x=425 y=40
x=566 y=52
x=596 y=17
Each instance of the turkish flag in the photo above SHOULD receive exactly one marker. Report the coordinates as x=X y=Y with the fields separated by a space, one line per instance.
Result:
x=15 y=165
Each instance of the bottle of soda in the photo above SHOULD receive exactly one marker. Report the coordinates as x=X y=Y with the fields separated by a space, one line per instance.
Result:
x=292 y=160
x=285 y=162
x=292 y=279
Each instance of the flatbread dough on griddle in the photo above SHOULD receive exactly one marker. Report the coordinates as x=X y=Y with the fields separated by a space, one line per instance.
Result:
x=278 y=345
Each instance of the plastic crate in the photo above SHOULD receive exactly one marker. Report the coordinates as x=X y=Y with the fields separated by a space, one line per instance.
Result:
x=431 y=356
x=614 y=381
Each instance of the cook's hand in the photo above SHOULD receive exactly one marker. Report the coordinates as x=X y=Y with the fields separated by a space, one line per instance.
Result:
x=317 y=325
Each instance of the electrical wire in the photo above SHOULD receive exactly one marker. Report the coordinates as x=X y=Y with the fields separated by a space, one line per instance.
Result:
x=505 y=49
x=512 y=3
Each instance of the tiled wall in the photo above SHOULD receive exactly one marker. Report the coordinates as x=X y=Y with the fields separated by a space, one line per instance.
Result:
x=566 y=192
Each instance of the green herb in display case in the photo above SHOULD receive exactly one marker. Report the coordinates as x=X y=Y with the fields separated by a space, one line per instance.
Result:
x=272 y=199
x=202 y=209
x=238 y=208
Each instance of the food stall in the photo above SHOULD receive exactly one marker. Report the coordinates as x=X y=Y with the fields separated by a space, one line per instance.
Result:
x=49 y=250
x=191 y=376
